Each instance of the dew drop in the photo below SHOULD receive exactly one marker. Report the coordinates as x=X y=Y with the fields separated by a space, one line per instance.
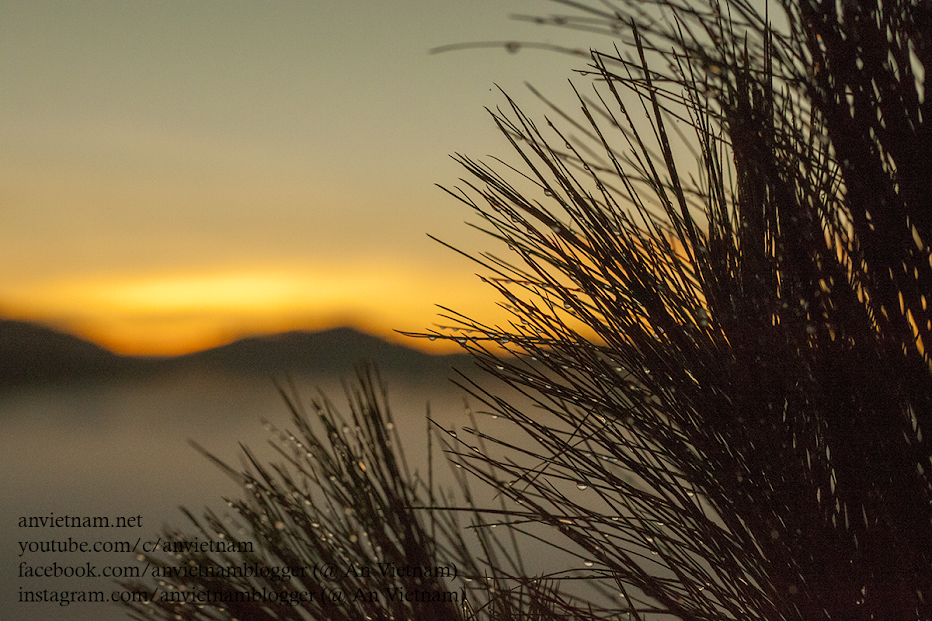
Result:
x=279 y=525
x=582 y=486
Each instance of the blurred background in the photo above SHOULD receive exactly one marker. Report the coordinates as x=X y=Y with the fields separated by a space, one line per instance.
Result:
x=178 y=176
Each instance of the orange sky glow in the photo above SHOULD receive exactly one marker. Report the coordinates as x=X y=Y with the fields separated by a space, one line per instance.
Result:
x=175 y=313
x=176 y=176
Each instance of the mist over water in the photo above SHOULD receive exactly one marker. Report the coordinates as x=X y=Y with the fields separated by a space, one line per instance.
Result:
x=121 y=448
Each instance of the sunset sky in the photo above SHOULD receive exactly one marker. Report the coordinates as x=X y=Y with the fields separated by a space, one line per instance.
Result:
x=174 y=175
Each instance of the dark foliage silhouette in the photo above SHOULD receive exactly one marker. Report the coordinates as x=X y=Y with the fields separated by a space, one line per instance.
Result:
x=727 y=357
x=340 y=530
x=732 y=362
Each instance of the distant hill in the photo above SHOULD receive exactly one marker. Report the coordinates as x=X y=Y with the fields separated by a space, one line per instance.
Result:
x=32 y=354
x=338 y=349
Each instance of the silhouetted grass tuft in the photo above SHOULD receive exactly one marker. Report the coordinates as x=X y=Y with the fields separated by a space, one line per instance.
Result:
x=728 y=361
x=340 y=530
x=731 y=360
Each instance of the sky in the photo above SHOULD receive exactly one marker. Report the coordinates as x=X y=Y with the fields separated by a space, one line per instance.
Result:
x=174 y=175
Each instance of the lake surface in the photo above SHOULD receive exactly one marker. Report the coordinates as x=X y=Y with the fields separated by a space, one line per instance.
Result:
x=121 y=449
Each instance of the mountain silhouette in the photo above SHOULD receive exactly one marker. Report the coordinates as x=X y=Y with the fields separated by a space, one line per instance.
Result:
x=337 y=349
x=31 y=354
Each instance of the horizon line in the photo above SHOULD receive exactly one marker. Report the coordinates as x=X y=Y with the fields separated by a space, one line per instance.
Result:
x=396 y=338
